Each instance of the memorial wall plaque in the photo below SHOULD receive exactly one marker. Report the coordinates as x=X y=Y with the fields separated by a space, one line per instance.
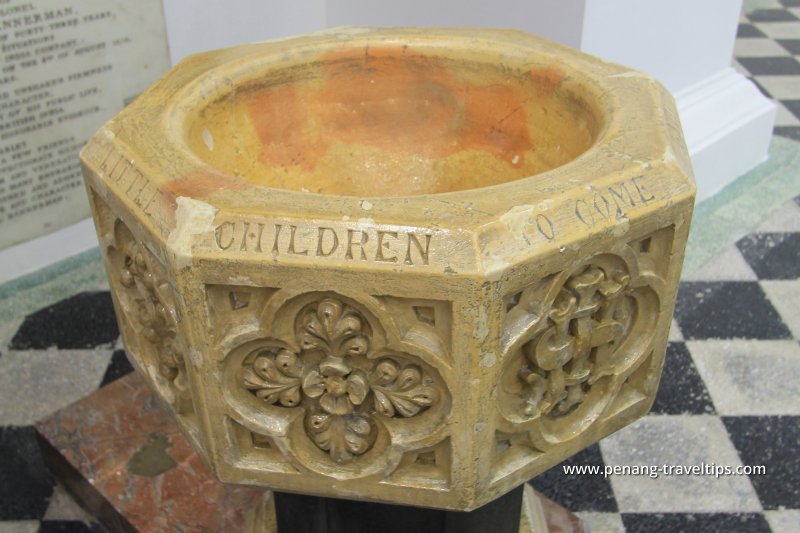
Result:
x=67 y=67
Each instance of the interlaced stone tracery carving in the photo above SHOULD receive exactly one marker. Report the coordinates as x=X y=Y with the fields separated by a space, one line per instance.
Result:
x=343 y=391
x=146 y=302
x=578 y=346
x=158 y=324
x=585 y=324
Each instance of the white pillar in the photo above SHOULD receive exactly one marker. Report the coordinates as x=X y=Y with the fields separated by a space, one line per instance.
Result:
x=688 y=46
x=195 y=26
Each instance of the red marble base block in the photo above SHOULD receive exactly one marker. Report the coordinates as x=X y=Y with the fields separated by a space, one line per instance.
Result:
x=123 y=459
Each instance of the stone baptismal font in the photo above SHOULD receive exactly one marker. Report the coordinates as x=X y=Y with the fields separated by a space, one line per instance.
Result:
x=407 y=266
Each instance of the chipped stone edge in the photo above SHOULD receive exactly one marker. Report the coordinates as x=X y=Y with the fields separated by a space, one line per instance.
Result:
x=193 y=217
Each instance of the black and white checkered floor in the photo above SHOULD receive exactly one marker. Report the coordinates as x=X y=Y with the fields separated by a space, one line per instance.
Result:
x=730 y=394
x=767 y=48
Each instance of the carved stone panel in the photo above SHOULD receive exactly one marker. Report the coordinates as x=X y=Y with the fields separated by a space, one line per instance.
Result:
x=146 y=310
x=575 y=342
x=336 y=389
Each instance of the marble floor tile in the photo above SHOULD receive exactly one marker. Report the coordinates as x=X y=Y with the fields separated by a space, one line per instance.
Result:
x=36 y=383
x=602 y=522
x=63 y=507
x=739 y=68
x=118 y=367
x=85 y=320
x=784 y=117
x=784 y=219
x=772 y=255
x=792 y=105
x=729 y=265
x=760 y=87
x=7 y=332
x=749 y=31
x=750 y=377
x=783 y=520
x=781 y=86
x=20 y=526
x=677 y=440
x=785 y=298
x=778 y=14
x=771 y=66
x=578 y=492
x=790 y=132
x=681 y=390
x=699 y=523
x=781 y=30
x=749 y=6
x=727 y=310
x=790 y=45
x=25 y=482
x=675 y=334
x=69 y=526
x=758 y=48
x=772 y=442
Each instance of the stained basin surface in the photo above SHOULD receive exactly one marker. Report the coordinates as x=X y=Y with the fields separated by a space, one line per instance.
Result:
x=393 y=120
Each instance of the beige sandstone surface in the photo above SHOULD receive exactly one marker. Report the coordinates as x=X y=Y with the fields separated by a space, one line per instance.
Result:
x=407 y=266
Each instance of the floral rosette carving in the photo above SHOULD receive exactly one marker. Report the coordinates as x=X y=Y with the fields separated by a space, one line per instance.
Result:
x=344 y=392
x=146 y=304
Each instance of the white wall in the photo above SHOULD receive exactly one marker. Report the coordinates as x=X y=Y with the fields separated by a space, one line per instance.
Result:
x=221 y=23
x=560 y=20
x=196 y=26
x=679 y=42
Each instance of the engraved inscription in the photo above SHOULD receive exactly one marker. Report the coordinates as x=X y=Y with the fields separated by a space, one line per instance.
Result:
x=377 y=245
x=118 y=169
x=614 y=201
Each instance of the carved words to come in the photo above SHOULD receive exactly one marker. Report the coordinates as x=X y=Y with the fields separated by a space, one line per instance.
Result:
x=613 y=201
x=365 y=244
